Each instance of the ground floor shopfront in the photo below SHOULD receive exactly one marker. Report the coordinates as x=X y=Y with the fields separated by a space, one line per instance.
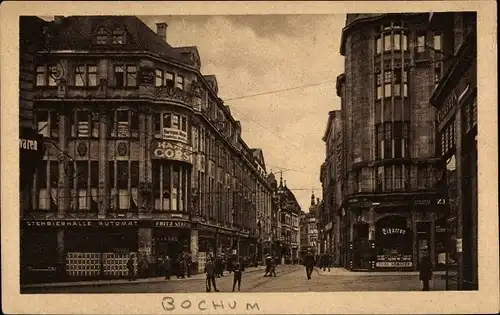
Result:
x=392 y=233
x=54 y=250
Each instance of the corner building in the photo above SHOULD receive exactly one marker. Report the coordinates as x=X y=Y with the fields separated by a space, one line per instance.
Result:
x=141 y=155
x=390 y=207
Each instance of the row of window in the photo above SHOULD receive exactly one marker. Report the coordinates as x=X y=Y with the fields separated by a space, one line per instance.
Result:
x=392 y=140
x=398 y=41
x=168 y=79
x=447 y=136
x=392 y=83
x=396 y=178
x=170 y=186
x=87 y=75
x=470 y=115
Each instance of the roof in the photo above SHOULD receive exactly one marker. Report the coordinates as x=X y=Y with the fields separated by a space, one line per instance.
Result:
x=78 y=33
x=331 y=117
x=259 y=155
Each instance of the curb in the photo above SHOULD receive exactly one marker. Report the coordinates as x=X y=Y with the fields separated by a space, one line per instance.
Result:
x=116 y=282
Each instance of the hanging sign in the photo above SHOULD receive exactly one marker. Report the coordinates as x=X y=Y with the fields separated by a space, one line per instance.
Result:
x=391 y=231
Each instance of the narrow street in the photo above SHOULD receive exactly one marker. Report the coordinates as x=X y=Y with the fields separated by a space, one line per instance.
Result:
x=289 y=279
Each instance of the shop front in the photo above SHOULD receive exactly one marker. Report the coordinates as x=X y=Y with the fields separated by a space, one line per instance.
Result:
x=170 y=238
x=393 y=243
x=207 y=244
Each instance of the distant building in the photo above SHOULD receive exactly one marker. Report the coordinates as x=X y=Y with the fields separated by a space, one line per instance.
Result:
x=331 y=180
x=288 y=223
x=309 y=236
x=390 y=204
x=455 y=100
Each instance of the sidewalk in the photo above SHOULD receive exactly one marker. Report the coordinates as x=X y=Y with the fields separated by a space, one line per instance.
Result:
x=125 y=281
x=337 y=271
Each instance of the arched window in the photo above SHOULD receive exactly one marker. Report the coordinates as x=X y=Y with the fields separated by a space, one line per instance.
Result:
x=118 y=36
x=102 y=36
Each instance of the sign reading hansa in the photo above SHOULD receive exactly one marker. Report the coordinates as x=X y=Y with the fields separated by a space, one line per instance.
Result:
x=172 y=151
x=174 y=134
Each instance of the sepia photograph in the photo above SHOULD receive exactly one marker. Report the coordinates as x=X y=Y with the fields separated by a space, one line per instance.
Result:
x=248 y=153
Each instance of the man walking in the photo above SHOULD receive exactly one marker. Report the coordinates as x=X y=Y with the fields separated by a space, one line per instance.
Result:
x=167 y=266
x=237 y=275
x=210 y=272
x=425 y=272
x=309 y=264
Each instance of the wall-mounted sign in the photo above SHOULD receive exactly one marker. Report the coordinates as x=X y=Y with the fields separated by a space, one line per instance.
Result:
x=175 y=135
x=172 y=151
x=390 y=231
x=28 y=144
x=169 y=223
x=170 y=238
x=394 y=260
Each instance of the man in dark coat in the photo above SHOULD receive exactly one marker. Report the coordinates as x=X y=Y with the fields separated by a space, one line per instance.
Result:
x=167 y=267
x=425 y=271
x=309 y=262
x=130 y=267
x=210 y=272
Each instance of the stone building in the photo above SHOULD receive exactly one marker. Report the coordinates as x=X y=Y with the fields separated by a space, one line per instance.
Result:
x=455 y=100
x=390 y=205
x=141 y=155
x=331 y=180
x=288 y=223
x=309 y=236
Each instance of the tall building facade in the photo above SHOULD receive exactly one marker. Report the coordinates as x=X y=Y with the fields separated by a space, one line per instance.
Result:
x=141 y=155
x=455 y=100
x=309 y=234
x=331 y=181
x=390 y=206
x=288 y=223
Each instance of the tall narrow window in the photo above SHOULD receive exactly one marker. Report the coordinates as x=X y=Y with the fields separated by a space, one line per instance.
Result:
x=421 y=42
x=122 y=180
x=397 y=82
x=438 y=72
x=423 y=177
x=117 y=37
x=167 y=121
x=179 y=82
x=387 y=42
x=112 y=176
x=40 y=75
x=167 y=193
x=123 y=129
x=102 y=36
x=134 y=174
x=175 y=121
x=51 y=75
x=54 y=124
x=158 y=77
x=397 y=41
x=404 y=42
x=380 y=141
x=157 y=124
x=437 y=42
x=378 y=44
x=387 y=83
x=380 y=178
x=82 y=168
x=169 y=79
x=131 y=75
x=379 y=85
x=183 y=123
x=404 y=141
x=388 y=178
x=92 y=75
x=119 y=76
x=388 y=141
x=405 y=83
x=94 y=174
x=134 y=123
x=398 y=177
x=80 y=75
x=83 y=127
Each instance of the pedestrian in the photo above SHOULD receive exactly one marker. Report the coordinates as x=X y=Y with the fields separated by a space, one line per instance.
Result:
x=237 y=276
x=425 y=271
x=189 y=263
x=167 y=267
x=309 y=262
x=130 y=267
x=144 y=266
x=210 y=273
x=268 y=265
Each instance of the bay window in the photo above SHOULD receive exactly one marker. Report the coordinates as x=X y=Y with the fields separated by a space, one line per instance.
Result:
x=169 y=120
x=379 y=85
x=170 y=184
x=387 y=83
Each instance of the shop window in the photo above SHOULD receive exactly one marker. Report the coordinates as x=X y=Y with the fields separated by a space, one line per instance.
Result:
x=179 y=82
x=101 y=36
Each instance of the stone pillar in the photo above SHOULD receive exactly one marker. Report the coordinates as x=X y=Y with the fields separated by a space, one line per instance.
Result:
x=61 y=254
x=194 y=243
x=65 y=168
x=432 y=245
x=103 y=165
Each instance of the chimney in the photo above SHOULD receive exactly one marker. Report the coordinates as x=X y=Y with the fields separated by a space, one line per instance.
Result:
x=58 y=19
x=161 y=30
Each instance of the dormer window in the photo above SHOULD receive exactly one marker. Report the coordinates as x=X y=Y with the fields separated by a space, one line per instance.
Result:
x=118 y=37
x=102 y=36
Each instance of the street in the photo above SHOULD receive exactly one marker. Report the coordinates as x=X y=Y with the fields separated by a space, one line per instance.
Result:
x=289 y=279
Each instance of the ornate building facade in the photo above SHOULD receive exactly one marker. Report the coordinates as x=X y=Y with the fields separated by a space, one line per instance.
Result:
x=141 y=155
x=390 y=206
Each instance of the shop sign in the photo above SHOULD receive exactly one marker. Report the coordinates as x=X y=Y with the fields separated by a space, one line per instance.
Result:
x=391 y=231
x=58 y=223
x=174 y=134
x=169 y=223
x=170 y=238
x=31 y=145
x=172 y=151
x=118 y=223
x=394 y=264
x=394 y=260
